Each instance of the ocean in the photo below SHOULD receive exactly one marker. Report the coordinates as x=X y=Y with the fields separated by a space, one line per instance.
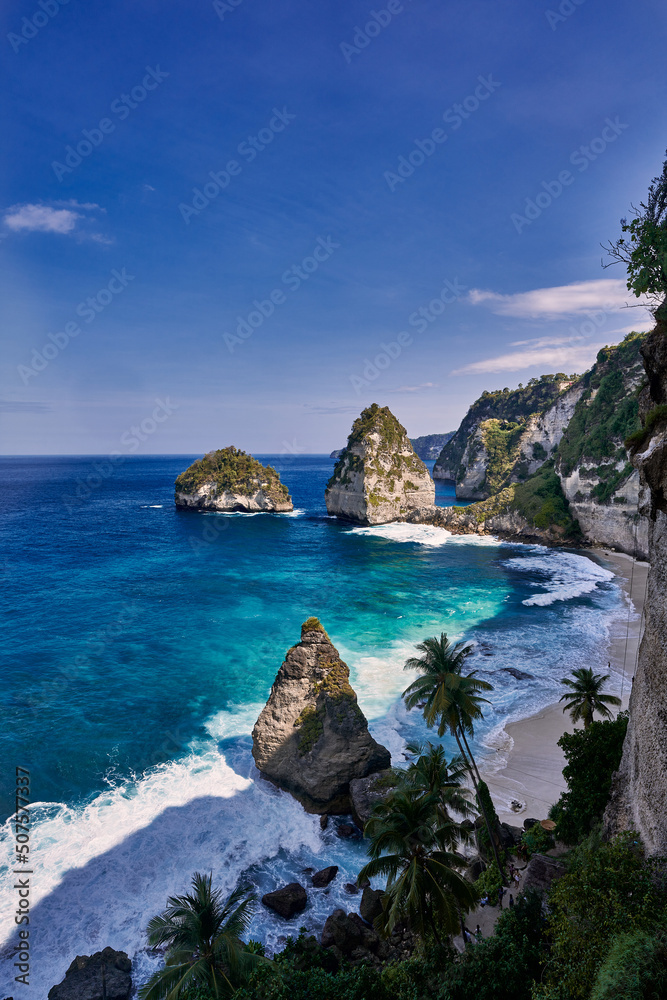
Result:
x=141 y=643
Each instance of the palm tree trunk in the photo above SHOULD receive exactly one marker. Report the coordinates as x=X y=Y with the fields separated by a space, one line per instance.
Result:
x=471 y=771
x=435 y=932
x=474 y=762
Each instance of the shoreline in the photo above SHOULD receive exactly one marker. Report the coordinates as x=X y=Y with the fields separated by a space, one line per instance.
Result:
x=532 y=772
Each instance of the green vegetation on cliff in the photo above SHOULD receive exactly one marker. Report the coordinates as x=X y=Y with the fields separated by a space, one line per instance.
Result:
x=393 y=437
x=234 y=471
x=605 y=416
x=540 y=500
x=502 y=416
x=592 y=755
x=501 y=438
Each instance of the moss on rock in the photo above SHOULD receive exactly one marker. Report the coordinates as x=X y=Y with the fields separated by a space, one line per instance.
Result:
x=231 y=470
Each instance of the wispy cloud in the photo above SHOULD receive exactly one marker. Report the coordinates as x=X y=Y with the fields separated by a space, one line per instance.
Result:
x=415 y=388
x=63 y=217
x=557 y=358
x=23 y=406
x=579 y=298
x=330 y=408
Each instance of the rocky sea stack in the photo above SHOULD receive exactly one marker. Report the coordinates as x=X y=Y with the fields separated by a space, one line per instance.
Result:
x=231 y=480
x=378 y=477
x=311 y=738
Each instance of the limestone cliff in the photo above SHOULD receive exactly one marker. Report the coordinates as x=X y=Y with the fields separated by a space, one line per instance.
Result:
x=429 y=446
x=508 y=435
x=378 y=477
x=231 y=480
x=534 y=511
x=639 y=790
x=596 y=475
x=311 y=737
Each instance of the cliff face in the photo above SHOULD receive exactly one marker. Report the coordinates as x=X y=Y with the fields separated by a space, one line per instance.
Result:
x=429 y=446
x=639 y=790
x=378 y=478
x=534 y=511
x=311 y=737
x=597 y=477
x=230 y=480
x=508 y=435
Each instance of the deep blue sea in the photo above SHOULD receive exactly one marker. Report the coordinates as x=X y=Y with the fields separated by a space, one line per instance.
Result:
x=140 y=644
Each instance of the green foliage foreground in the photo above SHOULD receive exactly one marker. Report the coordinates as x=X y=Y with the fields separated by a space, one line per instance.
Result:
x=610 y=890
x=593 y=755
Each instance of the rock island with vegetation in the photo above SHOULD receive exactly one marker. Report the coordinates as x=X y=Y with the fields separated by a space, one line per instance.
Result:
x=378 y=477
x=231 y=480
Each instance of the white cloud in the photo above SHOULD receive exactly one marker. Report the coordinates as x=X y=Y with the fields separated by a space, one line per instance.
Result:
x=415 y=388
x=41 y=219
x=553 y=359
x=62 y=219
x=579 y=298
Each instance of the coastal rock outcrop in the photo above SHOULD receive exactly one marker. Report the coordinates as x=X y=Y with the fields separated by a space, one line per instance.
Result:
x=639 y=788
x=534 y=511
x=311 y=737
x=595 y=471
x=102 y=976
x=508 y=435
x=231 y=480
x=366 y=792
x=512 y=445
x=378 y=478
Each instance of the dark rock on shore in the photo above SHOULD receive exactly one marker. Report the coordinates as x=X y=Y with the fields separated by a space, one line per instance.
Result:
x=365 y=792
x=520 y=675
x=351 y=940
x=322 y=878
x=288 y=901
x=541 y=872
x=370 y=906
x=311 y=738
x=102 y=976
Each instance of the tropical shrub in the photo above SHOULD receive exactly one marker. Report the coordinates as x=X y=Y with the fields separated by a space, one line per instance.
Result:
x=537 y=840
x=593 y=755
x=635 y=968
x=501 y=967
x=609 y=889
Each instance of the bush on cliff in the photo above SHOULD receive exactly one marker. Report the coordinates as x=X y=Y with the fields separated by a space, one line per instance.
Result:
x=542 y=502
x=635 y=968
x=593 y=755
x=610 y=889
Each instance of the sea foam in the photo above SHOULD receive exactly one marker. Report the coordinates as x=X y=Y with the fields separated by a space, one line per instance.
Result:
x=565 y=575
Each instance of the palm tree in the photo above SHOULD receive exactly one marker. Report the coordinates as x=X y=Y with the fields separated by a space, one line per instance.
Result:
x=202 y=933
x=586 y=696
x=452 y=699
x=423 y=885
x=431 y=773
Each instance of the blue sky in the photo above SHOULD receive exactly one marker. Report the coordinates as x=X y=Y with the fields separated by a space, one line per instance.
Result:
x=465 y=159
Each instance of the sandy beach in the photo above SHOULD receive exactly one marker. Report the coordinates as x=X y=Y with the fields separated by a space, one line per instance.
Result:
x=533 y=772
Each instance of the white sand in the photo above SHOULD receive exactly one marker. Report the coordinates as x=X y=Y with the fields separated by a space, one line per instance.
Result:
x=533 y=773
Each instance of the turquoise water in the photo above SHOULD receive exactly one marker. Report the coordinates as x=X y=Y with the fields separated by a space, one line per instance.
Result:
x=141 y=643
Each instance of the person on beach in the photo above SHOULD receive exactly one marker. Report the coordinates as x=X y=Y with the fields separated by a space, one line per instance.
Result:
x=484 y=901
x=501 y=893
x=478 y=933
x=511 y=901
